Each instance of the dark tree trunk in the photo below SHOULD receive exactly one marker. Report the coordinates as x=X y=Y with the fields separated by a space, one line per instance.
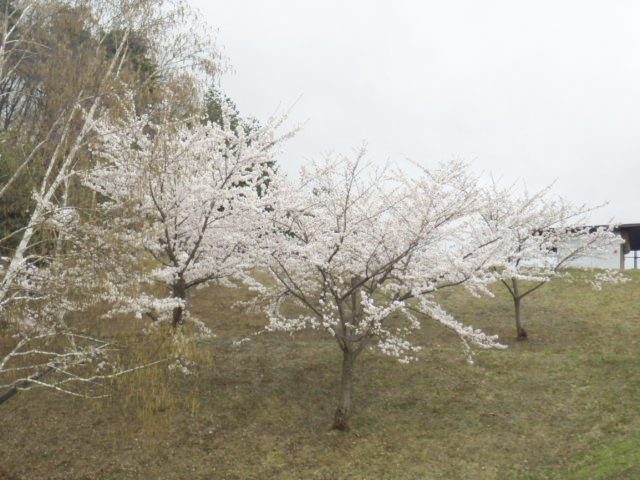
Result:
x=343 y=412
x=8 y=394
x=179 y=291
x=517 y=299
x=522 y=333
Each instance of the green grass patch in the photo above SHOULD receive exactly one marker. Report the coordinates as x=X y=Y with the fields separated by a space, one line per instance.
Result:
x=613 y=460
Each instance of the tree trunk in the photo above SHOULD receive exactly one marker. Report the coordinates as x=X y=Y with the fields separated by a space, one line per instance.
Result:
x=179 y=291
x=8 y=394
x=517 y=299
x=343 y=412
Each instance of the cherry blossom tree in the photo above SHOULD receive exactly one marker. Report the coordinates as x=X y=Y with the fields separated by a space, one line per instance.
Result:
x=543 y=237
x=361 y=252
x=195 y=199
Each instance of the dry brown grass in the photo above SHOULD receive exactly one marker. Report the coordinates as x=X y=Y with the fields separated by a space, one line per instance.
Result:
x=562 y=405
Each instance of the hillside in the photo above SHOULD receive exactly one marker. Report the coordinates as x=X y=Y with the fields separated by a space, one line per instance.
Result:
x=563 y=405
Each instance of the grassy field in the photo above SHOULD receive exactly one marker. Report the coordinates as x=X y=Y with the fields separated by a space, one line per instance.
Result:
x=563 y=405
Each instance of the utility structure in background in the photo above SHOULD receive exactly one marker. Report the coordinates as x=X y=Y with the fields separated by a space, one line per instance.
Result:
x=629 y=242
x=630 y=233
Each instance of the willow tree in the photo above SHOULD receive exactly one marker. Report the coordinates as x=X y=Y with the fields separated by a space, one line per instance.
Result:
x=40 y=279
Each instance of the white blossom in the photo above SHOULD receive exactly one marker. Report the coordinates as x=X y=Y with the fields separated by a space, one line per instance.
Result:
x=362 y=250
x=192 y=199
x=541 y=237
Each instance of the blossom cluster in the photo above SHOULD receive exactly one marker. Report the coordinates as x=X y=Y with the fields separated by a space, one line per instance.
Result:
x=362 y=250
x=544 y=236
x=190 y=198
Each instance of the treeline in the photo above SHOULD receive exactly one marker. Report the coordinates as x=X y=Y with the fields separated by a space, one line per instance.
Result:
x=56 y=57
x=68 y=68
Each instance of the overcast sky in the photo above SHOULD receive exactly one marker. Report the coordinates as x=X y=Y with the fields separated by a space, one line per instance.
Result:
x=531 y=90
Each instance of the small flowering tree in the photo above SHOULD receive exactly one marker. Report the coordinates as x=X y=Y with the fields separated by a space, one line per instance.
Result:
x=361 y=252
x=190 y=196
x=542 y=238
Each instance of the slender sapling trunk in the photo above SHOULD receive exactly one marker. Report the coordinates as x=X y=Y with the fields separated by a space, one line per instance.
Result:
x=517 y=299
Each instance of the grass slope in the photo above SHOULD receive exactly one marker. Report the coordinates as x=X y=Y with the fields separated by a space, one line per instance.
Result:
x=563 y=405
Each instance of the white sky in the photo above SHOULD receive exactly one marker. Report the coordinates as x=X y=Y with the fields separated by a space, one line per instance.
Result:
x=535 y=90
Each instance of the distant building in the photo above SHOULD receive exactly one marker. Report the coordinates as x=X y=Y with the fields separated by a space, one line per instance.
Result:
x=630 y=233
x=623 y=256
